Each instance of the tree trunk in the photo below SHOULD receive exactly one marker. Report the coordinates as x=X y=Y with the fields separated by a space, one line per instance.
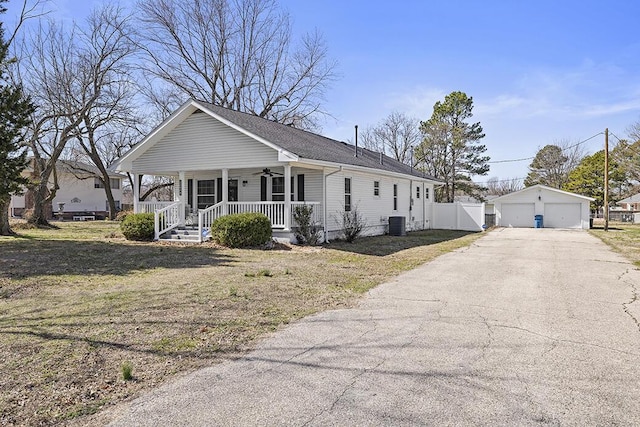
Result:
x=39 y=216
x=5 y=229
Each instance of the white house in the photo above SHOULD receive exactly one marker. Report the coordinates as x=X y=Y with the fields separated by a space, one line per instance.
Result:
x=559 y=209
x=223 y=161
x=81 y=193
x=631 y=203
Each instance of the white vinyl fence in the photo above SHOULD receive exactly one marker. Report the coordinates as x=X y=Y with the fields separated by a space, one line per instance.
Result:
x=458 y=216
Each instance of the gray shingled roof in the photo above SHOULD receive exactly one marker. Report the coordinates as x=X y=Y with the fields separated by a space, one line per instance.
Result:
x=308 y=145
x=633 y=199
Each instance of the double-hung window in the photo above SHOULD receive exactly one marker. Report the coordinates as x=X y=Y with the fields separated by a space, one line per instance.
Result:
x=376 y=188
x=206 y=193
x=395 y=197
x=347 y=194
x=277 y=188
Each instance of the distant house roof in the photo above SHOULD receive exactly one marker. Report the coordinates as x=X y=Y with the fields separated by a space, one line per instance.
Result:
x=301 y=143
x=631 y=199
x=80 y=169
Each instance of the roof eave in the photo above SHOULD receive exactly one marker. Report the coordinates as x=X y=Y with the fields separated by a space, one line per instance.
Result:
x=367 y=169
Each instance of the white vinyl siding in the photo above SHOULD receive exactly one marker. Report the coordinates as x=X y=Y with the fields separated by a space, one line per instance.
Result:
x=312 y=183
x=81 y=195
x=375 y=210
x=203 y=143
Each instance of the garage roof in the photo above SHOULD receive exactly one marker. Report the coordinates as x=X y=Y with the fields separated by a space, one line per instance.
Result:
x=543 y=187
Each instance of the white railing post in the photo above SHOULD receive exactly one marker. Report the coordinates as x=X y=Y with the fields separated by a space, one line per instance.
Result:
x=156 y=226
x=286 y=211
x=136 y=192
x=225 y=191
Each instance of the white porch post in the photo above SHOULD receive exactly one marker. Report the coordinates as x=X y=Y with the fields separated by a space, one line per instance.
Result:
x=183 y=196
x=225 y=191
x=136 y=192
x=287 y=197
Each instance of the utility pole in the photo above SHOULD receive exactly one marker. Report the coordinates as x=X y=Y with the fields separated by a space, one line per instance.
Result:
x=606 y=179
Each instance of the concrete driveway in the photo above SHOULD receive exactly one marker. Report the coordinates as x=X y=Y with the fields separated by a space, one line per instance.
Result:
x=526 y=327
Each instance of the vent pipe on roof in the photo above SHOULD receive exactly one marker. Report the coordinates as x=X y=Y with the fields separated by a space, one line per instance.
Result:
x=381 y=158
x=356 y=153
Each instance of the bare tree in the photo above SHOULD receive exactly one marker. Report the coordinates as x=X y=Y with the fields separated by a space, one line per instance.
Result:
x=500 y=187
x=395 y=136
x=236 y=54
x=107 y=124
x=28 y=11
x=80 y=84
x=634 y=132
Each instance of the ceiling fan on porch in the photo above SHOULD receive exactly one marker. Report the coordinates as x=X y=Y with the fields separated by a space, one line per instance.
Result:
x=267 y=172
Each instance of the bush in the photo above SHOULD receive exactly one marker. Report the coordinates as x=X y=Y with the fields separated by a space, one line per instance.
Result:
x=352 y=224
x=122 y=215
x=241 y=230
x=307 y=232
x=138 y=226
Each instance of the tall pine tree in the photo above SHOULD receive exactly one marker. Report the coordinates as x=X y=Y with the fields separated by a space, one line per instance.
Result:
x=15 y=112
x=451 y=149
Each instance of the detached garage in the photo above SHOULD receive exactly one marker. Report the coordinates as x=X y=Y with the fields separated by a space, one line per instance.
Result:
x=559 y=209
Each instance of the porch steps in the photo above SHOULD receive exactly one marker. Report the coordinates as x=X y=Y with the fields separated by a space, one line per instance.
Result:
x=182 y=235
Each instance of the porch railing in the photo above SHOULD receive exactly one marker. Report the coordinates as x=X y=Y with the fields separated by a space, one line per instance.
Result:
x=207 y=216
x=166 y=218
x=273 y=210
x=152 y=207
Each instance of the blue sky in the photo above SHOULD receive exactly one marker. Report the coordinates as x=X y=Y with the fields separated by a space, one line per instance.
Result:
x=538 y=71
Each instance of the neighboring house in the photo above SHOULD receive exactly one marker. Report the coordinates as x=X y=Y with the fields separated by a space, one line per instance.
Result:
x=559 y=209
x=224 y=162
x=81 y=194
x=630 y=203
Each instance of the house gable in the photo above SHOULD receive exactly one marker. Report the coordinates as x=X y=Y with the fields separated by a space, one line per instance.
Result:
x=201 y=142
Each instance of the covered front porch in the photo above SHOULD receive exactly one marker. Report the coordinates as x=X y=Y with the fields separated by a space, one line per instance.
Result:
x=200 y=197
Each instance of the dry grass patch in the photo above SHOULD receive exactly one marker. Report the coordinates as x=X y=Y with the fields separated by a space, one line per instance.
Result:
x=80 y=307
x=622 y=237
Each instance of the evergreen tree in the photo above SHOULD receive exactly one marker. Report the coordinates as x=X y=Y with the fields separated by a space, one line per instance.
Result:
x=587 y=179
x=15 y=112
x=451 y=149
x=548 y=168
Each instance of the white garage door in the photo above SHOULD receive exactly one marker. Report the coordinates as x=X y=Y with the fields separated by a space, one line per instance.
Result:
x=562 y=215
x=517 y=215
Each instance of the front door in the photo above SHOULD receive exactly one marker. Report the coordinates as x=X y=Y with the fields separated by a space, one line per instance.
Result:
x=233 y=190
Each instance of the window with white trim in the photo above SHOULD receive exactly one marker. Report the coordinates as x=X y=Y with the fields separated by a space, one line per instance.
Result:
x=376 y=188
x=417 y=192
x=277 y=188
x=347 y=194
x=114 y=183
x=395 y=197
x=206 y=193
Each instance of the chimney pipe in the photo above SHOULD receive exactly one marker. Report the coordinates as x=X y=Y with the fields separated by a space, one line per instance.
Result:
x=381 y=157
x=356 y=153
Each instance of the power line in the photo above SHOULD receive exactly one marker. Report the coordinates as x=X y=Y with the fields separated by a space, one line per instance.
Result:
x=531 y=158
x=500 y=180
x=511 y=160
